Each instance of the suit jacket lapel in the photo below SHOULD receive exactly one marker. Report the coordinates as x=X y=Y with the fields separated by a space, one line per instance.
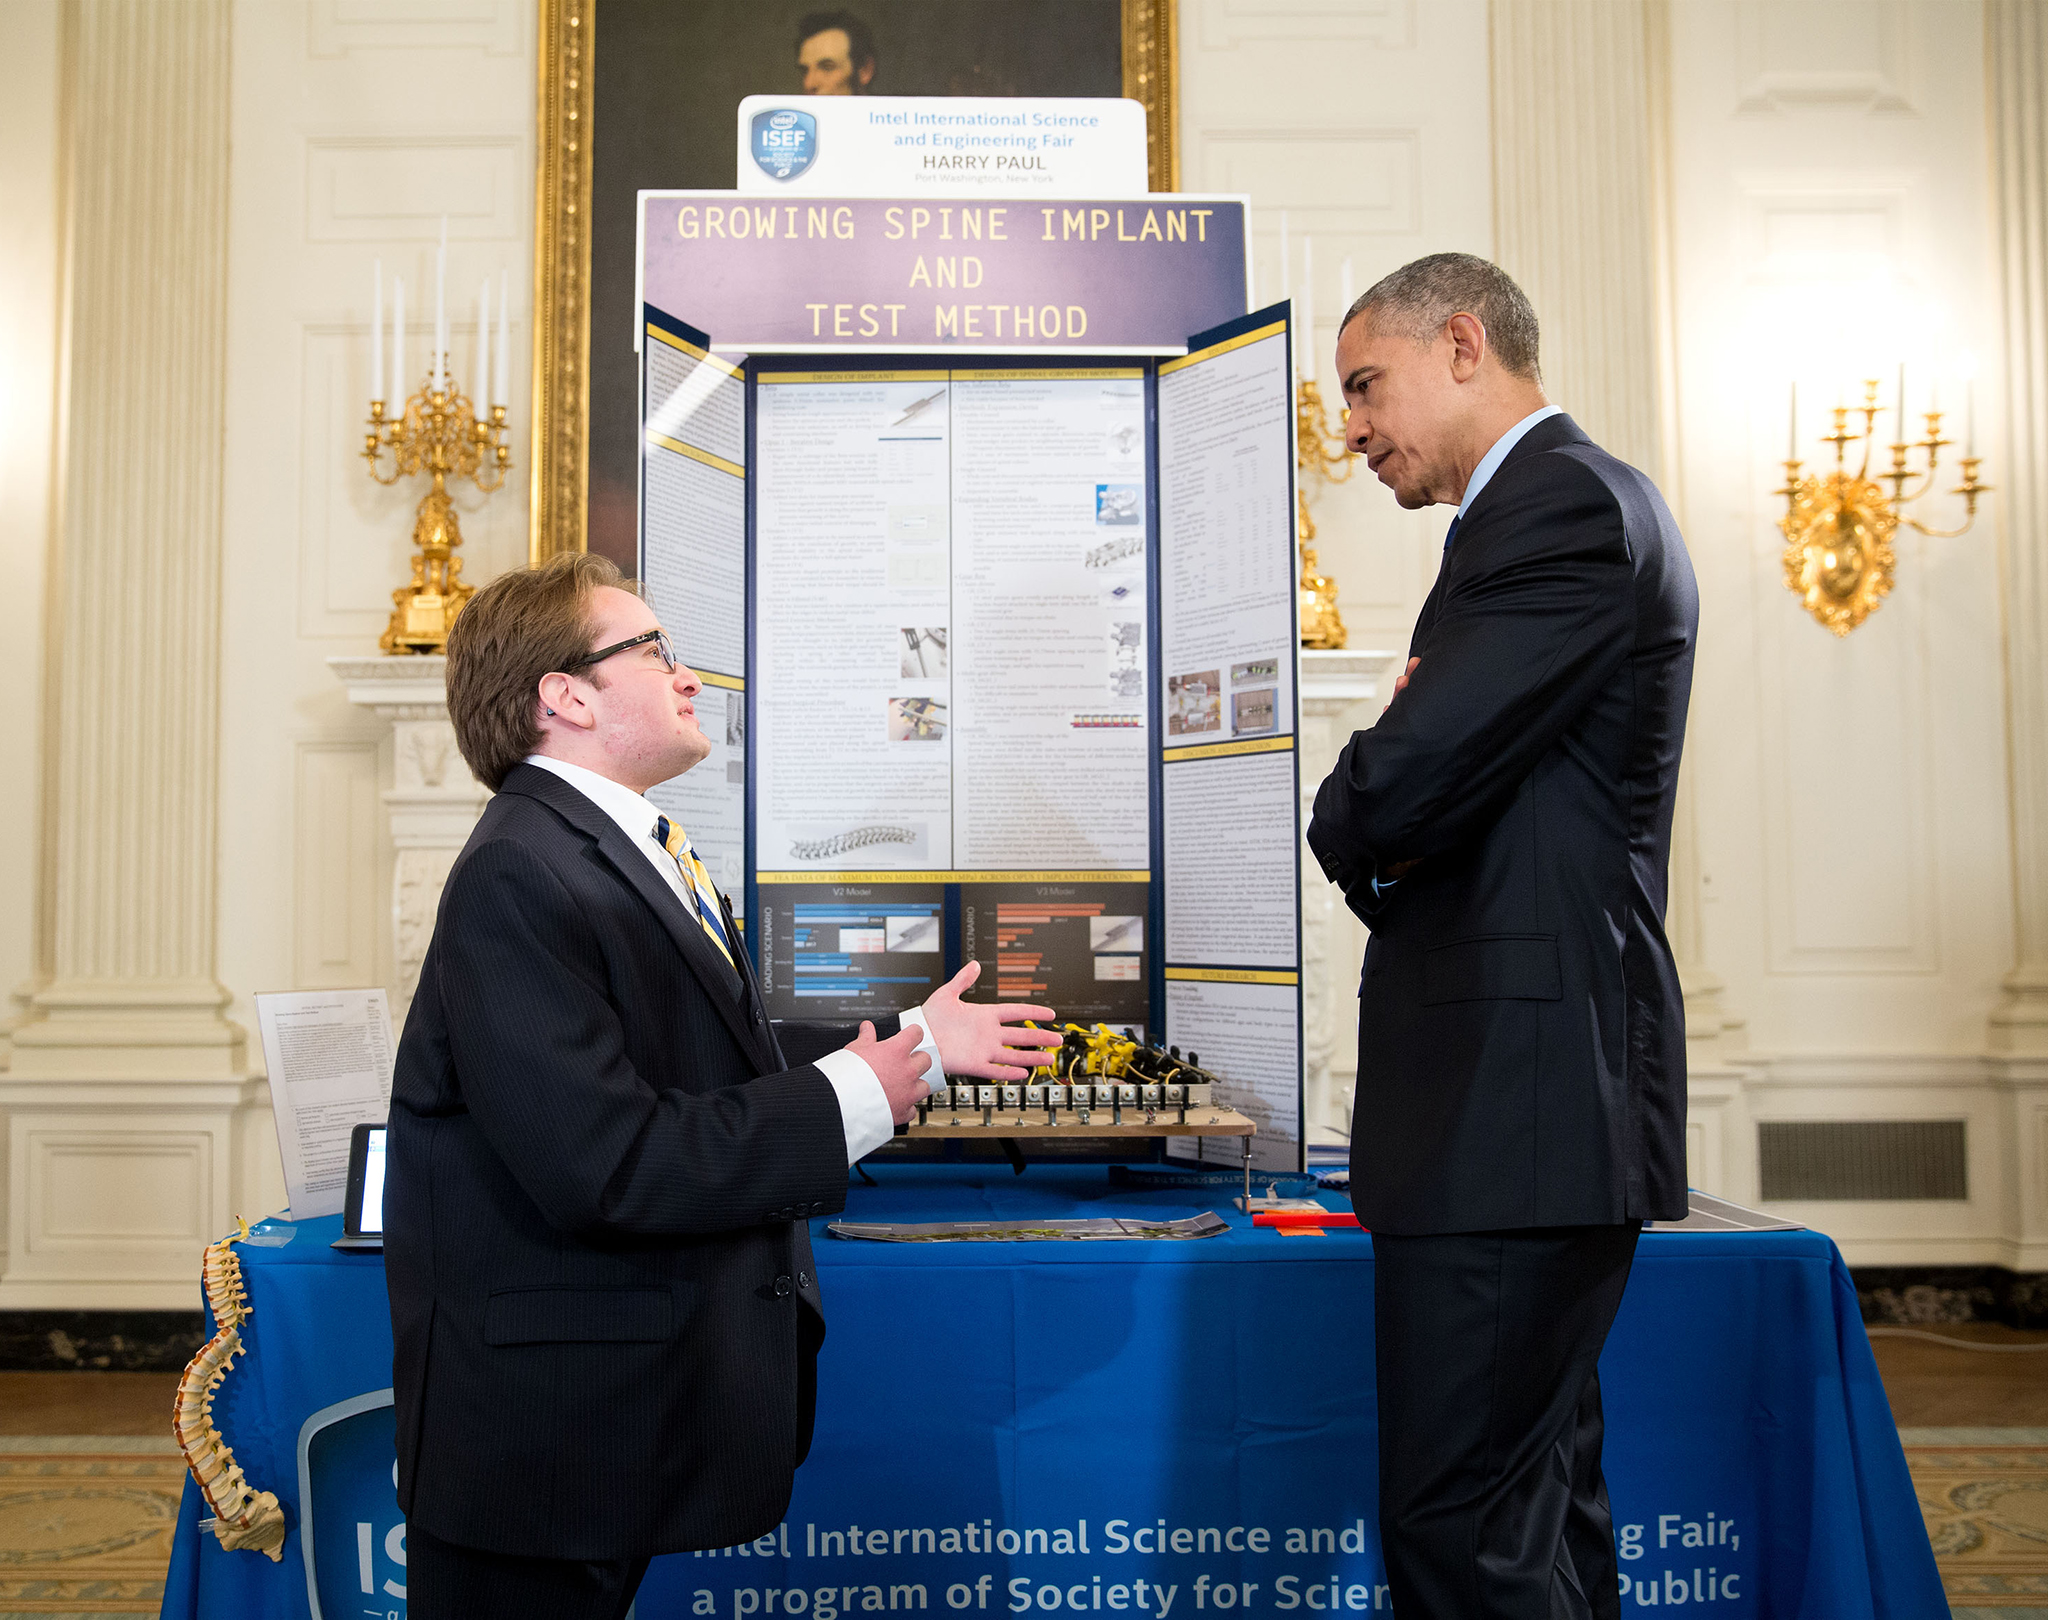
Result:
x=639 y=875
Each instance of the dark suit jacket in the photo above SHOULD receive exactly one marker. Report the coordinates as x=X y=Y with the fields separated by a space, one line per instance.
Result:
x=1521 y=1037
x=604 y=1308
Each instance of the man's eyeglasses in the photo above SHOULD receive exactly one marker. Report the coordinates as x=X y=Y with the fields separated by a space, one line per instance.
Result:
x=664 y=649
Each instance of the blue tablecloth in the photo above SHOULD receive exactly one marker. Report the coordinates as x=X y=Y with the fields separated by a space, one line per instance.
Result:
x=1162 y=1428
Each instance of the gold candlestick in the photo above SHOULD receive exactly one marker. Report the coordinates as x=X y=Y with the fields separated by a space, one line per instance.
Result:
x=437 y=433
x=1320 y=454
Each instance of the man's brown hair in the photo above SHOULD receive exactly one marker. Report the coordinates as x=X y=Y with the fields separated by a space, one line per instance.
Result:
x=521 y=626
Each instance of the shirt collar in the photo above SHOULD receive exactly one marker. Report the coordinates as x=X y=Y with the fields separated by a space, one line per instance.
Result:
x=634 y=813
x=1489 y=464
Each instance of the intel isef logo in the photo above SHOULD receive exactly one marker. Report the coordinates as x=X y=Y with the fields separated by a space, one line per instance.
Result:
x=785 y=142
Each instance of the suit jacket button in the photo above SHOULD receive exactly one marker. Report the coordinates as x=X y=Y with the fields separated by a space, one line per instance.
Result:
x=803 y=1279
x=782 y=1288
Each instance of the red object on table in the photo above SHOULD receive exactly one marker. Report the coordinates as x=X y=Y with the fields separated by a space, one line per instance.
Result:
x=1305 y=1218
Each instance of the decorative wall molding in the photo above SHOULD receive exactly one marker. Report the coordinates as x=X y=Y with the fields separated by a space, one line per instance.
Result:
x=1797 y=57
x=398 y=188
x=342 y=27
x=1294 y=169
x=1387 y=25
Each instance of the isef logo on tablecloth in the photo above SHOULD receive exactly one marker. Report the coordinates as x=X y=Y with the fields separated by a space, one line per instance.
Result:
x=785 y=142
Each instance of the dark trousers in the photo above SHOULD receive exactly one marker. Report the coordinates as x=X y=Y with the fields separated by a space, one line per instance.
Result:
x=447 y=1582
x=1492 y=1506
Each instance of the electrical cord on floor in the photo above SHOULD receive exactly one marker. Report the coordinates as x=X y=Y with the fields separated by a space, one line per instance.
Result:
x=1955 y=1344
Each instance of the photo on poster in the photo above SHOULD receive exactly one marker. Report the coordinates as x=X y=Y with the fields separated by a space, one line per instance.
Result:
x=916 y=719
x=1194 y=703
x=1116 y=933
x=919 y=933
x=923 y=656
x=887 y=843
x=1119 y=506
x=1255 y=712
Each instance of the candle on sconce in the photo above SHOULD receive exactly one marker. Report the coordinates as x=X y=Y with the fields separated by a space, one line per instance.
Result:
x=377 y=329
x=1970 y=417
x=1792 y=438
x=402 y=388
x=440 y=366
x=483 y=345
x=1305 y=350
x=501 y=374
x=1344 y=291
x=1902 y=402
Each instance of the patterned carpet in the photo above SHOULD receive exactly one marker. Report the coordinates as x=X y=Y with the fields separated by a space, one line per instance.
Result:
x=86 y=1523
x=1985 y=1496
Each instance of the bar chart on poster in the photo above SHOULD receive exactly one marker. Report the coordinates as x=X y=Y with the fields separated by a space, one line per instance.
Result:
x=1005 y=649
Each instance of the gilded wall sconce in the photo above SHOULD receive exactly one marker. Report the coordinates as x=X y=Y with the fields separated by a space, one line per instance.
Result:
x=1838 y=526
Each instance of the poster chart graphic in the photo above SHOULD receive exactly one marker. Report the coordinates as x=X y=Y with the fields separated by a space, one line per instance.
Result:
x=1230 y=832
x=837 y=952
x=693 y=558
x=1079 y=947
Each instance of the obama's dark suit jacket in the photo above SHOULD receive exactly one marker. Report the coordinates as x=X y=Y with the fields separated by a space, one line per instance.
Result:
x=1521 y=1033
x=604 y=1308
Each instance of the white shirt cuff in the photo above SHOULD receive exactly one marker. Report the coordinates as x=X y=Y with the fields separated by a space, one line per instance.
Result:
x=935 y=1076
x=863 y=1104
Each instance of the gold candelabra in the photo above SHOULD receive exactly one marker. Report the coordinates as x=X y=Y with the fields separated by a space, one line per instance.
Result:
x=437 y=433
x=1320 y=454
x=1838 y=526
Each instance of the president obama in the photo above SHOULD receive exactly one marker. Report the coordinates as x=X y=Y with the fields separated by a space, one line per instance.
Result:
x=1504 y=831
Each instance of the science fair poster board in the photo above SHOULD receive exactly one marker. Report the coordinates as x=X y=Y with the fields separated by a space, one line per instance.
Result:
x=999 y=657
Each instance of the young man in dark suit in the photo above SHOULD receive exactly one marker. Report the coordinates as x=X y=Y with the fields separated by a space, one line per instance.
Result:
x=604 y=1309
x=1504 y=830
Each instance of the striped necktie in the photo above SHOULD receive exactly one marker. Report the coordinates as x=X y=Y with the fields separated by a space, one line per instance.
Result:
x=672 y=838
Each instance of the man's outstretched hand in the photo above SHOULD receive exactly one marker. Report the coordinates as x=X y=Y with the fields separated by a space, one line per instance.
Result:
x=899 y=1065
x=984 y=1040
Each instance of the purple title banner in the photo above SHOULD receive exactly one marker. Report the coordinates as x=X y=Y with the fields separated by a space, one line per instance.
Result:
x=946 y=276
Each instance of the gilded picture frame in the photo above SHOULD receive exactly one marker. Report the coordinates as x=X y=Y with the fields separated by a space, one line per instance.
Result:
x=561 y=492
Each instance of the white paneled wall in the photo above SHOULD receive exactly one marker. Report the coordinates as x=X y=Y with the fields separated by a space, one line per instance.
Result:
x=1830 y=219
x=359 y=126
x=1846 y=865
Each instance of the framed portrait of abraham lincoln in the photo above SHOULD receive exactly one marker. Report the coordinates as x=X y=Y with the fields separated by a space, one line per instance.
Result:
x=644 y=94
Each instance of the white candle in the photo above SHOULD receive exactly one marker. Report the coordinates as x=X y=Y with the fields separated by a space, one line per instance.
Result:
x=1345 y=292
x=377 y=329
x=1307 y=349
x=401 y=389
x=441 y=309
x=1970 y=417
x=483 y=345
x=1902 y=402
x=1286 y=260
x=1792 y=436
x=501 y=375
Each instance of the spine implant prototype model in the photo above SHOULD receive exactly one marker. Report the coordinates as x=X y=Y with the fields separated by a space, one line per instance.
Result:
x=244 y=1519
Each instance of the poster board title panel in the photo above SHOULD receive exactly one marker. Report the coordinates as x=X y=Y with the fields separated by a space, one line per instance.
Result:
x=925 y=275
x=883 y=146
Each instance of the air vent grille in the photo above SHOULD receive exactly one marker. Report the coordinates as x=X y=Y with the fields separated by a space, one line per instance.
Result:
x=1863 y=1159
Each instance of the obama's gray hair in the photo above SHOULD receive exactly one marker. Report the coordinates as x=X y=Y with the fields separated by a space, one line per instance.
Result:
x=1417 y=299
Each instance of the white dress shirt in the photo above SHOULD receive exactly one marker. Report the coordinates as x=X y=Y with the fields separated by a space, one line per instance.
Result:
x=863 y=1105
x=1489 y=464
